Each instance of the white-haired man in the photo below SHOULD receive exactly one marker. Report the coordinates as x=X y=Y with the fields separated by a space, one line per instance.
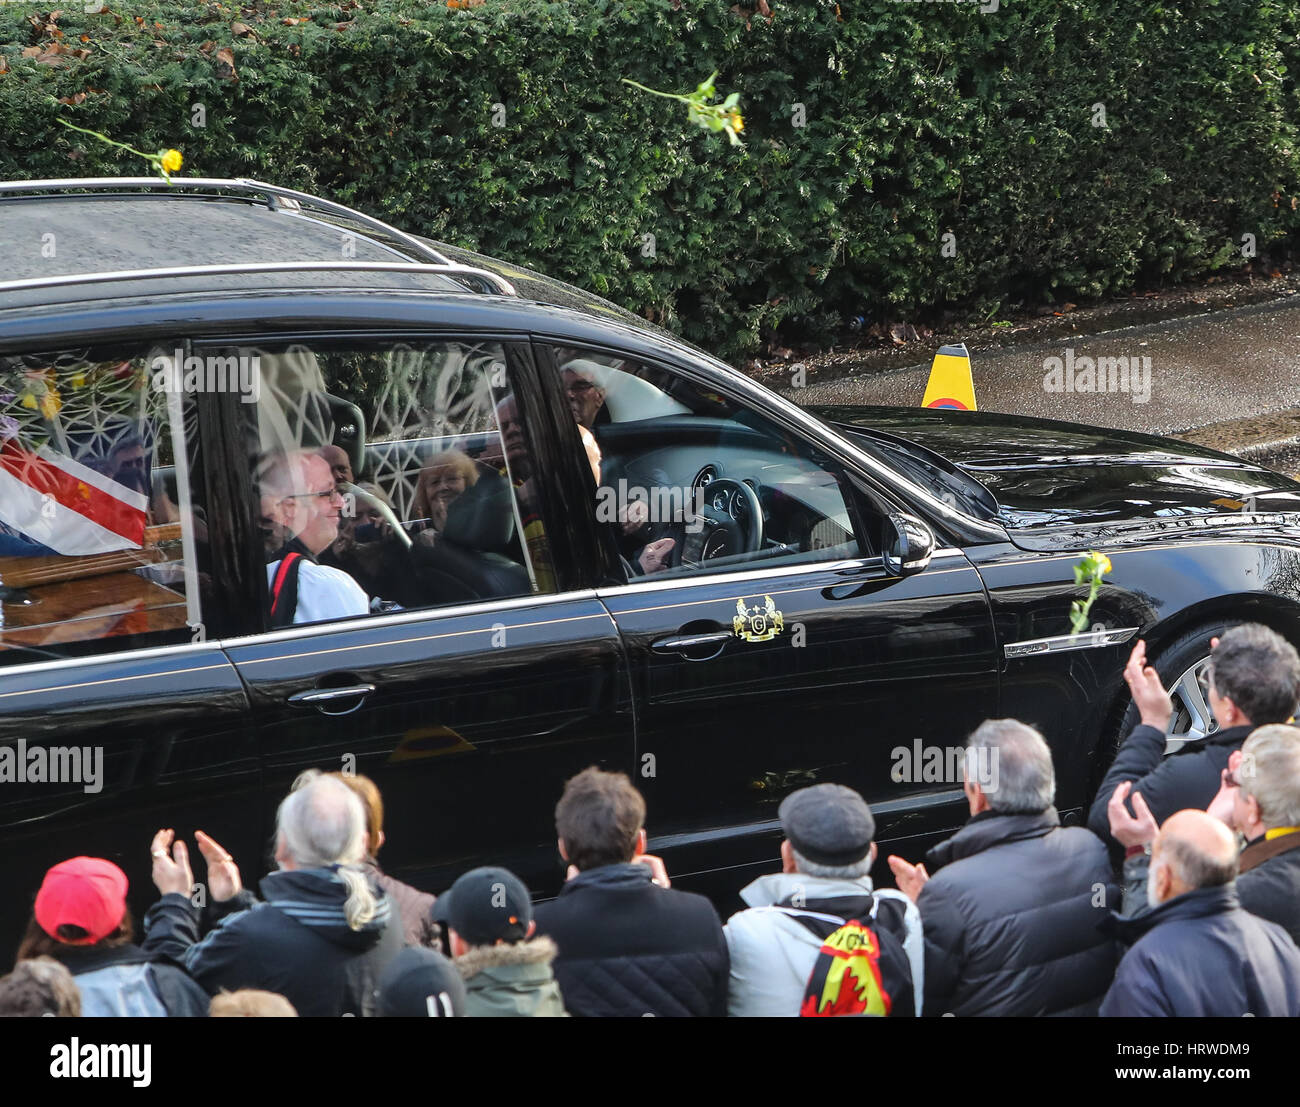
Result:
x=301 y=507
x=1011 y=914
x=325 y=931
x=1266 y=811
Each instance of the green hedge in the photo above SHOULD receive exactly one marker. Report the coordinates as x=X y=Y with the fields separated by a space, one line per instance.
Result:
x=922 y=119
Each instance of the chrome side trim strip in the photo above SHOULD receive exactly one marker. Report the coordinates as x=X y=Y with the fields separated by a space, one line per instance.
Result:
x=1063 y=643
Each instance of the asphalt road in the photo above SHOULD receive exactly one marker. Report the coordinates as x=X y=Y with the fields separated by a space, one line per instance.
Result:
x=1226 y=365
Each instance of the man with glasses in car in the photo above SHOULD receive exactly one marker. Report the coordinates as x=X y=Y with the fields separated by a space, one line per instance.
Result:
x=301 y=509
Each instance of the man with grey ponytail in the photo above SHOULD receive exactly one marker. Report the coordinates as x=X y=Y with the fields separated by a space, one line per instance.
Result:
x=325 y=930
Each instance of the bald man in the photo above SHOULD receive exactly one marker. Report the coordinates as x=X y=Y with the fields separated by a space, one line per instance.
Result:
x=1195 y=951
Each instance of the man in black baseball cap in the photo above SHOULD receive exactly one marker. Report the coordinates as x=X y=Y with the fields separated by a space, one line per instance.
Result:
x=784 y=960
x=488 y=916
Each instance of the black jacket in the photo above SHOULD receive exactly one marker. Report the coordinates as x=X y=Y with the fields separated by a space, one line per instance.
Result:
x=1188 y=777
x=298 y=943
x=128 y=980
x=1011 y=917
x=1200 y=954
x=1269 y=881
x=629 y=947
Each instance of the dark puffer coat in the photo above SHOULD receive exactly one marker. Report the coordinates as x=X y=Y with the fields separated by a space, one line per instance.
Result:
x=1189 y=777
x=1011 y=916
x=629 y=947
x=1200 y=954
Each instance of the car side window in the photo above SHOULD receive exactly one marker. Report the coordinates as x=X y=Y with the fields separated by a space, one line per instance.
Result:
x=689 y=480
x=390 y=476
x=100 y=537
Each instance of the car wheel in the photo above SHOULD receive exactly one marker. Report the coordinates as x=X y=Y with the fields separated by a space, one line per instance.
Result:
x=1182 y=666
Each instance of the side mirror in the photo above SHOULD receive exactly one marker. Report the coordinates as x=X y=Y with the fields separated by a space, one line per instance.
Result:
x=908 y=546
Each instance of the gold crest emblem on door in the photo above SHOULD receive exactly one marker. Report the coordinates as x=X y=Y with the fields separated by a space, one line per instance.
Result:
x=757 y=623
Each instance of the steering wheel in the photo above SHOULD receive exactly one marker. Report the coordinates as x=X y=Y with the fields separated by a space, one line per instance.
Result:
x=713 y=531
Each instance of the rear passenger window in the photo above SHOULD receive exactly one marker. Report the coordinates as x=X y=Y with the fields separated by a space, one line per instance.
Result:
x=99 y=535
x=391 y=476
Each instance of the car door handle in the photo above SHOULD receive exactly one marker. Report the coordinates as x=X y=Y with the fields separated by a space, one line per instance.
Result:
x=681 y=643
x=318 y=697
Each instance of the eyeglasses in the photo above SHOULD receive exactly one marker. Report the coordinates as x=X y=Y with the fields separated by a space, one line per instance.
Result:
x=329 y=494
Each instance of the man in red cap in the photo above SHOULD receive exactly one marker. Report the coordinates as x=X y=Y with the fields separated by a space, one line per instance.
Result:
x=81 y=920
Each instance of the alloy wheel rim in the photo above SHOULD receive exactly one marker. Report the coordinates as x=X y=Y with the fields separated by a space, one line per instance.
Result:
x=1192 y=718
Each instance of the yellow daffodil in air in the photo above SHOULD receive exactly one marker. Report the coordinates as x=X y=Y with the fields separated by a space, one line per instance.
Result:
x=706 y=115
x=1089 y=571
x=165 y=162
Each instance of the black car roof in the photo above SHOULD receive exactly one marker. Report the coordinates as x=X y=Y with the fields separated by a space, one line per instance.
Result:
x=107 y=233
x=116 y=226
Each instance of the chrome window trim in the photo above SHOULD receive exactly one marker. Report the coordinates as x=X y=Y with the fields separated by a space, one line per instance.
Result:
x=415 y=615
x=47 y=689
x=503 y=286
x=366 y=622
x=683 y=580
x=489 y=629
x=178 y=649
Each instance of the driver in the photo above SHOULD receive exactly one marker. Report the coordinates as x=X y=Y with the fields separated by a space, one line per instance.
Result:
x=653 y=557
x=584 y=386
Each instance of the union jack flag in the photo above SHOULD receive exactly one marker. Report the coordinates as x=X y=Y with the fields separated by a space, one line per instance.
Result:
x=64 y=507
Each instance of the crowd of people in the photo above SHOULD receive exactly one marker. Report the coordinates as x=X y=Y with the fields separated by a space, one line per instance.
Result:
x=1181 y=897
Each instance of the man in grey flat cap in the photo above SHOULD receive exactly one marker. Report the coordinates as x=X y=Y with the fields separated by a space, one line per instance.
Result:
x=817 y=939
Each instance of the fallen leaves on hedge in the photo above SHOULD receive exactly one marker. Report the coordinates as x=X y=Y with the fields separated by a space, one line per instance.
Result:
x=226 y=64
x=54 y=53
